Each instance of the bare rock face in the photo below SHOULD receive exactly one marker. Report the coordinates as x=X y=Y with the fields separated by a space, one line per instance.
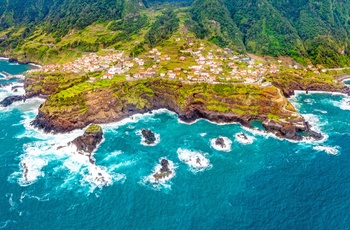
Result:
x=220 y=142
x=164 y=171
x=150 y=138
x=165 y=166
x=291 y=130
x=89 y=141
x=102 y=106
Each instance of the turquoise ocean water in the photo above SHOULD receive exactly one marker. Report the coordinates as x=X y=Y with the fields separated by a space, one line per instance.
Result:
x=267 y=184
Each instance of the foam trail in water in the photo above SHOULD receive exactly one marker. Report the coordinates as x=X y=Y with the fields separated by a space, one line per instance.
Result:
x=328 y=149
x=4 y=224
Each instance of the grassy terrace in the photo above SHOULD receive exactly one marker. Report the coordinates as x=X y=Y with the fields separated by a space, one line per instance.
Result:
x=93 y=129
x=290 y=79
x=80 y=99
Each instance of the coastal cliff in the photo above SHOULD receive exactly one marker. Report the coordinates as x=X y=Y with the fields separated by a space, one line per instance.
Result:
x=222 y=103
x=88 y=142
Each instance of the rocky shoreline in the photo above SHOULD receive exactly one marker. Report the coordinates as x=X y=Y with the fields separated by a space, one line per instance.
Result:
x=284 y=129
x=290 y=89
x=12 y=59
x=90 y=140
x=104 y=107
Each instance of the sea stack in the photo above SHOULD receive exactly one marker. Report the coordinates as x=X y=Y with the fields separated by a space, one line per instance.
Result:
x=87 y=143
x=220 y=142
x=164 y=171
x=149 y=137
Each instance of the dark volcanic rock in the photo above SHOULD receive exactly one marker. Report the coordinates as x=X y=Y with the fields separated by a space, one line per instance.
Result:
x=89 y=141
x=13 y=88
x=104 y=107
x=164 y=171
x=243 y=136
x=283 y=130
x=150 y=138
x=220 y=142
x=165 y=166
x=314 y=135
x=16 y=60
x=5 y=84
x=25 y=171
x=11 y=99
x=291 y=130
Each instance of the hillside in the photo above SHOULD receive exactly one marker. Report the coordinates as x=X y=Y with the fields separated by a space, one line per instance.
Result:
x=52 y=31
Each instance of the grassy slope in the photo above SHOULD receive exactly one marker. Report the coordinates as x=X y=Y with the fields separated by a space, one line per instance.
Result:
x=245 y=100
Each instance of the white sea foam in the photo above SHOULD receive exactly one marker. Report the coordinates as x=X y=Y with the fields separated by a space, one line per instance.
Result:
x=321 y=111
x=4 y=224
x=35 y=65
x=297 y=92
x=315 y=122
x=143 y=140
x=32 y=163
x=7 y=90
x=244 y=138
x=112 y=155
x=307 y=101
x=51 y=147
x=196 y=160
x=98 y=176
x=344 y=104
x=226 y=148
x=12 y=203
x=328 y=149
x=29 y=196
x=202 y=119
x=203 y=134
x=134 y=119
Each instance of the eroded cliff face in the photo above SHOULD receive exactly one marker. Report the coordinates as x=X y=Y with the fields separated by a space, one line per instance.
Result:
x=224 y=104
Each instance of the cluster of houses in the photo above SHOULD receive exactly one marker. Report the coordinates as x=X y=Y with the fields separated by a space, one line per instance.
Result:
x=211 y=66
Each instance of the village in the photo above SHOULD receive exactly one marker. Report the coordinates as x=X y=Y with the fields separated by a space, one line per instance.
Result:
x=188 y=65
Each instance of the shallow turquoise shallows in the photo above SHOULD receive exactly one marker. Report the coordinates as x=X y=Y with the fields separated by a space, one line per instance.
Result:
x=267 y=184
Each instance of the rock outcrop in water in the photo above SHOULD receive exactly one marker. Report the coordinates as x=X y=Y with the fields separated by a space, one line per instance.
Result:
x=242 y=136
x=87 y=143
x=149 y=137
x=290 y=130
x=164 y=171
x=220 y=142
x=11 y=99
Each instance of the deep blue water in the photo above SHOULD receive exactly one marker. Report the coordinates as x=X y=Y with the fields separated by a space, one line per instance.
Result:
x=269 y=184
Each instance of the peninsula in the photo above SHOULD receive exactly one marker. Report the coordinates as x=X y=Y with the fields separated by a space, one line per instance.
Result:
x=156 y=58
x=76 y=98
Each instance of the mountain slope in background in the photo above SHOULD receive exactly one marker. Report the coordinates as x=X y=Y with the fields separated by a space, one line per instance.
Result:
x=303 y=29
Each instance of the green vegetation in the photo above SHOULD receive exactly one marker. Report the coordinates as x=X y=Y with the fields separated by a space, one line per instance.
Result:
x=85 y=96
x=55 y=31
x=306 y=29
x=162 y=29
x=289 y=80
x=93 y=129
